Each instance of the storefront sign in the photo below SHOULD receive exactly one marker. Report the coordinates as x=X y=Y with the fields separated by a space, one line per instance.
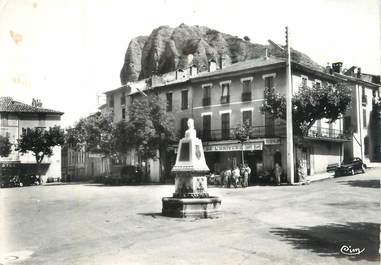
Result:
x=272 y=141
x=233 y=147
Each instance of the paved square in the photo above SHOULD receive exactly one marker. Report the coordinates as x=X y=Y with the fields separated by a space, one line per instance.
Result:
x=95 y=224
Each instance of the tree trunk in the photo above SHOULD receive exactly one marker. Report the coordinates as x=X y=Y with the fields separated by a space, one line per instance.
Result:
x=163 y=164
x=38 y=164
x=243 y=160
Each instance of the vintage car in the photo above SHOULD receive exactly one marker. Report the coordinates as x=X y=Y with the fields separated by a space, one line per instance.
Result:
x=350 y=167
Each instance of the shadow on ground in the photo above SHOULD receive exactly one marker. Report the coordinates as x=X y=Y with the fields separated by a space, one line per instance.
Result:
x=327 y=240
x=369 y=183
x=153 y=215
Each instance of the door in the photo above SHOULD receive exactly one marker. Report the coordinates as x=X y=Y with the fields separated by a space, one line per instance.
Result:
x=225 y=126
x=206 y=126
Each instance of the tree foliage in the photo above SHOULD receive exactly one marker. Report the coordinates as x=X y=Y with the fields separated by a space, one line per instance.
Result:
x=120 y=139
x=309 y=104
x=150 y=127
x=242 y=132
x=375 y=129
x=40 y=142
x=94 y=133
x=5 y=146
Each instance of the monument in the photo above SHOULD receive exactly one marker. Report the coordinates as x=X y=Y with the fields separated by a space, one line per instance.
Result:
x=191 y=198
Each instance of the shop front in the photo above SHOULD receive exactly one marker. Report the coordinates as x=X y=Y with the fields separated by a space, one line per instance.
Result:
x=260 y=155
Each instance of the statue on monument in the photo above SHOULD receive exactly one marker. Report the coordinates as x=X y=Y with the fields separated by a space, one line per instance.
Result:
x=191 y=132
x=191 y=197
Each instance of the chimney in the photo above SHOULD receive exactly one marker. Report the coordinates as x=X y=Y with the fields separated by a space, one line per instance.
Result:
x=212 y=65
x=36 y=103
x=337 y=67
x=223 y=61
x=328 y=69
x=266 y=54
x=193 y=70
x=180 y=74
x=358 y=72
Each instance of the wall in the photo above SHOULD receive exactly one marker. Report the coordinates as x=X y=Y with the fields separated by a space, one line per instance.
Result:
x=178 y=113
x=117 y=109
x=18 y=122
x=236 y=105
x=324 y=154
x=80 y=165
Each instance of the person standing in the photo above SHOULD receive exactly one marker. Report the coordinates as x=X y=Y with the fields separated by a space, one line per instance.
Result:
x=227 y=176
x=236 y=175
x=277 y=173
x=242 y=169
x=247 y=173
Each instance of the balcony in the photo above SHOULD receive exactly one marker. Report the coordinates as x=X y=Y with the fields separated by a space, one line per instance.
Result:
x=206 y=101
x=225 y=99
x=246 y=96
x=255 y=132
x=364 y=100
x=327 y=134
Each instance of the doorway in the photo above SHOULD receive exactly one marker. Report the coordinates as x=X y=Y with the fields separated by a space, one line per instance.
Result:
x=255 y=161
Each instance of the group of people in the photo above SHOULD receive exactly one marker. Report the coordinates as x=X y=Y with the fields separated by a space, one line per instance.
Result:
x=238 y=176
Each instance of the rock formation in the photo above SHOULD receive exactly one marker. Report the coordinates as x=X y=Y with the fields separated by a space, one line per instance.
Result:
x=168 y=49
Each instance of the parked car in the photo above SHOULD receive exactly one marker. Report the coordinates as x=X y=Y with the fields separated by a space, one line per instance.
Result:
x=332 y=167
x=350 y=167
x=10 y=182
x=19 y=181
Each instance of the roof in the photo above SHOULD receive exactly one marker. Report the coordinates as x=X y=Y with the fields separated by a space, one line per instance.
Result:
x=102 y=106
x=124 y=87
x=254 y=63
x=7 y=104
x=357 y=80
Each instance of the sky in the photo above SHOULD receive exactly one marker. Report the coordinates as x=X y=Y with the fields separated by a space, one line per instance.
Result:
x=68 y=52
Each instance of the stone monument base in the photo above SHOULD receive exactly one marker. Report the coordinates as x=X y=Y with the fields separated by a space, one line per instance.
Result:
x=191 y=207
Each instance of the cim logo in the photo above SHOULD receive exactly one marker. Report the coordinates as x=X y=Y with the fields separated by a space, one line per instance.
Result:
x=349 y=251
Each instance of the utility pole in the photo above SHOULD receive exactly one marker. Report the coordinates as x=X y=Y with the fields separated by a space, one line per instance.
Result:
x=290 y=135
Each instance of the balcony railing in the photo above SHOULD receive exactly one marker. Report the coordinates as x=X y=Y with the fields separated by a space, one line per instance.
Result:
x=327 y=133
x=206 y=101
x=246 y=96
x=254 y=133
x=225 y=99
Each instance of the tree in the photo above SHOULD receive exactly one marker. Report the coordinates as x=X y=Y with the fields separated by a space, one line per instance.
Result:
x=246 y=38
x=5 y=146
x=242 y=133
x=40 y=142
x=120 y=139
x=375 y=130
x=94 y=133
x=150 y=128
x=309 y=105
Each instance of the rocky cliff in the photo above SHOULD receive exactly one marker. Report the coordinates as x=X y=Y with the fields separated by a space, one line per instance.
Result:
x=168 y=49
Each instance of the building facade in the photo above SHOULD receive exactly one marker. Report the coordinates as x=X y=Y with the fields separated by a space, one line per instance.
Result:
x=16 y=116
x=223 y=98
x=78 y=165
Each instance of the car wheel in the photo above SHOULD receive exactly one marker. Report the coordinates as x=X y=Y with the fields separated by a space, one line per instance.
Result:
x=352 y=172
x=362 y=169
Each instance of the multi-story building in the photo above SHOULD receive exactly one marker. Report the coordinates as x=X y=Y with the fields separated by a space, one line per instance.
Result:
x=16 y=116
x=222 y=98
x=359 y=119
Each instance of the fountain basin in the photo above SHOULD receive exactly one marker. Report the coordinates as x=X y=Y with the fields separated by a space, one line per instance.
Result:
x=192 y=207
